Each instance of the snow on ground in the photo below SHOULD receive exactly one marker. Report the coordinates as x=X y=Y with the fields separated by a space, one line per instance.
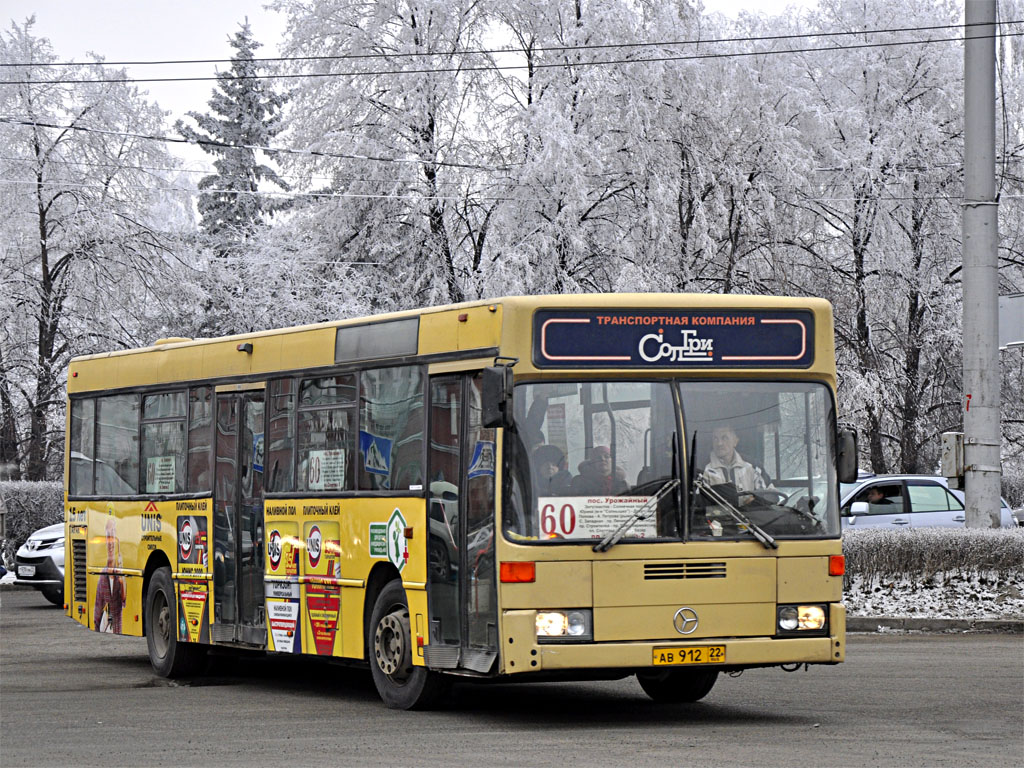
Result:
x=979 y=596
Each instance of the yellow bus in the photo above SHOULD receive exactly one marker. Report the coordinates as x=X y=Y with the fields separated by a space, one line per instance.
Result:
x=543 y=487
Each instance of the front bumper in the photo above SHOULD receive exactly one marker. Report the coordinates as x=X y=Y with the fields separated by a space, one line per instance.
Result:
x=740 y=653
x=47 y=573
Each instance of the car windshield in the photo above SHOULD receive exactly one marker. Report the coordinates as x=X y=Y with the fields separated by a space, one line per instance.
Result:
x=763 y=449
x=587 y=458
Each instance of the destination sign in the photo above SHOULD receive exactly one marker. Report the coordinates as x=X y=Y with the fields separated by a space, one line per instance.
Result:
x=674 y=338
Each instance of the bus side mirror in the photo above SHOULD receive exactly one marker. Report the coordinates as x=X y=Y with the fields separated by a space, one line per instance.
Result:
x=847 y=458
x=497 y=396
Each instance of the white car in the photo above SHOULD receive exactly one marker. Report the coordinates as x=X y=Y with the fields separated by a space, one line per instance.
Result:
x=39 y=562
x=905 y=501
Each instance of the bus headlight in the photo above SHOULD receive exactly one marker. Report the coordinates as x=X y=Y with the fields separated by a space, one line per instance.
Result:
x=801 y=618
x=574 y=625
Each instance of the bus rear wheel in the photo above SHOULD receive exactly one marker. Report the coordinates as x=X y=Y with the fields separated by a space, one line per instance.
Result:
x=168 y=656
x=678 y=685
x=401 y=684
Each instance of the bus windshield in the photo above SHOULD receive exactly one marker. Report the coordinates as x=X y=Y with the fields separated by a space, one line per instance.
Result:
x=761 y=453
x=586 y=457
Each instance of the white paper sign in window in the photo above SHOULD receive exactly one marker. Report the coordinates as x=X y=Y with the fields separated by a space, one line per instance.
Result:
x=326 y=470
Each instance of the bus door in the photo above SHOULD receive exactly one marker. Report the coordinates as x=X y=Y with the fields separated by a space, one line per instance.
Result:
x=461 y=571
x=238 y=520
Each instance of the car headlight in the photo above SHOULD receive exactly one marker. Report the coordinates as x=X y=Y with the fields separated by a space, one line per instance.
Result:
x=802 y=618
x=573 y=625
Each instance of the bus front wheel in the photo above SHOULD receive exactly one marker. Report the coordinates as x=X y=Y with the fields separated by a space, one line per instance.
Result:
x=168 y=656
x=400 y=684
x=678 y=685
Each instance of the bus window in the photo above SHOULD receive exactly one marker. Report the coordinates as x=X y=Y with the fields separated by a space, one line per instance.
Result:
x=391 y=429
x=200 y=436
x=83 y=429
x=760 y=451
x=280 y=475
x=588 y=455
x=163 y=443
x=117 y=444
x=326 y=422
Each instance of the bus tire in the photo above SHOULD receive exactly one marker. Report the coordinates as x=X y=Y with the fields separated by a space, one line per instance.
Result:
x=169 y=656
x=678 y=685
x=401 y=685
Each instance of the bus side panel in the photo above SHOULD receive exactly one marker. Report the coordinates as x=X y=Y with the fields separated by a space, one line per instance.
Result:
x=336 y=543
x=121 y=535
x=373 y=531
x=190 y=524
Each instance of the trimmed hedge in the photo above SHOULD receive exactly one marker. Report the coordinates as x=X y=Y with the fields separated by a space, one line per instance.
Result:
x=30 y=506
x=921 y=554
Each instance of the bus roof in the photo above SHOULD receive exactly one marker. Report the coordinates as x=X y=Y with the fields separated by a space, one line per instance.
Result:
x=490 y=326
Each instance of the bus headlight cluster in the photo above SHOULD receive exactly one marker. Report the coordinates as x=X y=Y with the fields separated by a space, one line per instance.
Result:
x=801 y=618
x=573 y=625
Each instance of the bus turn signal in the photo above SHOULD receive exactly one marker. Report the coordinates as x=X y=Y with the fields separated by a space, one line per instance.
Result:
x=836 y=565
x=512 y=573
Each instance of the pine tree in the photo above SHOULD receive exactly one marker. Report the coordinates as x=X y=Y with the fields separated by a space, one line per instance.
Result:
x=245 y=113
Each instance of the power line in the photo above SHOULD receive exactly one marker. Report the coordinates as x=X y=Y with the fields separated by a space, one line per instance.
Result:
x=263 y=193
x=497 y=67
x=356 y=195
x=490 y=51
x=268 y=150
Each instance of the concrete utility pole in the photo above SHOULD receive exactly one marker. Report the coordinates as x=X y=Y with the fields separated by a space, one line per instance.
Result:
x=981 y=269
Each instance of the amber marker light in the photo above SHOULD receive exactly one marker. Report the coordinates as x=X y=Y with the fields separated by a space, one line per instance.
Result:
x=836 y=565
x=518 y=573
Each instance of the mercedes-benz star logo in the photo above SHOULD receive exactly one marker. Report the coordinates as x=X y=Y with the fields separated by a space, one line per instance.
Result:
x=685 y=621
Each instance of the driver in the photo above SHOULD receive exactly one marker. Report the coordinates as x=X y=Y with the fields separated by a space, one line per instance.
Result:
x=727 y=466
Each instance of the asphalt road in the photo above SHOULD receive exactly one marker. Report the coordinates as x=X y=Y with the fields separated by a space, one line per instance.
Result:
x=72 y=697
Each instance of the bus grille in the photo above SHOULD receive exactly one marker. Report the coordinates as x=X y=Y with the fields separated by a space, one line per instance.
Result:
x=78 y=569
x=656 y=571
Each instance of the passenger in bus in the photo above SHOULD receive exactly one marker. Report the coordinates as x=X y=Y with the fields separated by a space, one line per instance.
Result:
x=551 y=476
x=596 y=475
x=728 y=466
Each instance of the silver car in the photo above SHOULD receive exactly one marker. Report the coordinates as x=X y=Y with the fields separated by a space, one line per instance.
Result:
x=39 y=562
x=905 y=501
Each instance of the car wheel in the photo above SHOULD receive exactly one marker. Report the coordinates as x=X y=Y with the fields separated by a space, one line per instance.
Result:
x=54 y=594
x=401 y=685
x=169 y=656
x=678 y=685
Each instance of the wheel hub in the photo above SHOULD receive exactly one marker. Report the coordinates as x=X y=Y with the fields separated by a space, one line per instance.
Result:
x=391 y=645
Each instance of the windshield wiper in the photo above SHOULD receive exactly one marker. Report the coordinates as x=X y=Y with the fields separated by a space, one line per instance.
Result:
x=757 y=532
x=642 y=513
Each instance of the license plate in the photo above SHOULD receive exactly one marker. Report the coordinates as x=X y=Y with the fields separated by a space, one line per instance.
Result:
x=701 y=654
x=26 y=570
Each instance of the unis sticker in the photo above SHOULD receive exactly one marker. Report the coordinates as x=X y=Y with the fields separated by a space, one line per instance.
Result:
x=193 y=602
x=397 y=548
x=283 y=548
x=323 y=549
x=192 y=544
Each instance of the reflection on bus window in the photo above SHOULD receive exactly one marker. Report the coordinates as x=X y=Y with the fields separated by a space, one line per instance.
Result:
x=761 y=452
x=589 y=455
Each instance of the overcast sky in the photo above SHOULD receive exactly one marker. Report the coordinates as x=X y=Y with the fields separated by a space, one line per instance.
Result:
x=149 y=30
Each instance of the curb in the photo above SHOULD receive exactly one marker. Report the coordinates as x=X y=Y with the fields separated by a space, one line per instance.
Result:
x=905 y=623
x=865 y=624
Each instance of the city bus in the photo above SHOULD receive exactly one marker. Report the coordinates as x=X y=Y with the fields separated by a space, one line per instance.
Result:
x=532 y=488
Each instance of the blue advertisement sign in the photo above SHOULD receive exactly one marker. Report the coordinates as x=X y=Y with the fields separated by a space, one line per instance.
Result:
x=673 y=338
x=376 y=453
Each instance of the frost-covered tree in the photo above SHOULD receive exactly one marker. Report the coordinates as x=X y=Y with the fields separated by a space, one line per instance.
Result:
x=80 y=248
x=398 y=137
x=245 y=115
